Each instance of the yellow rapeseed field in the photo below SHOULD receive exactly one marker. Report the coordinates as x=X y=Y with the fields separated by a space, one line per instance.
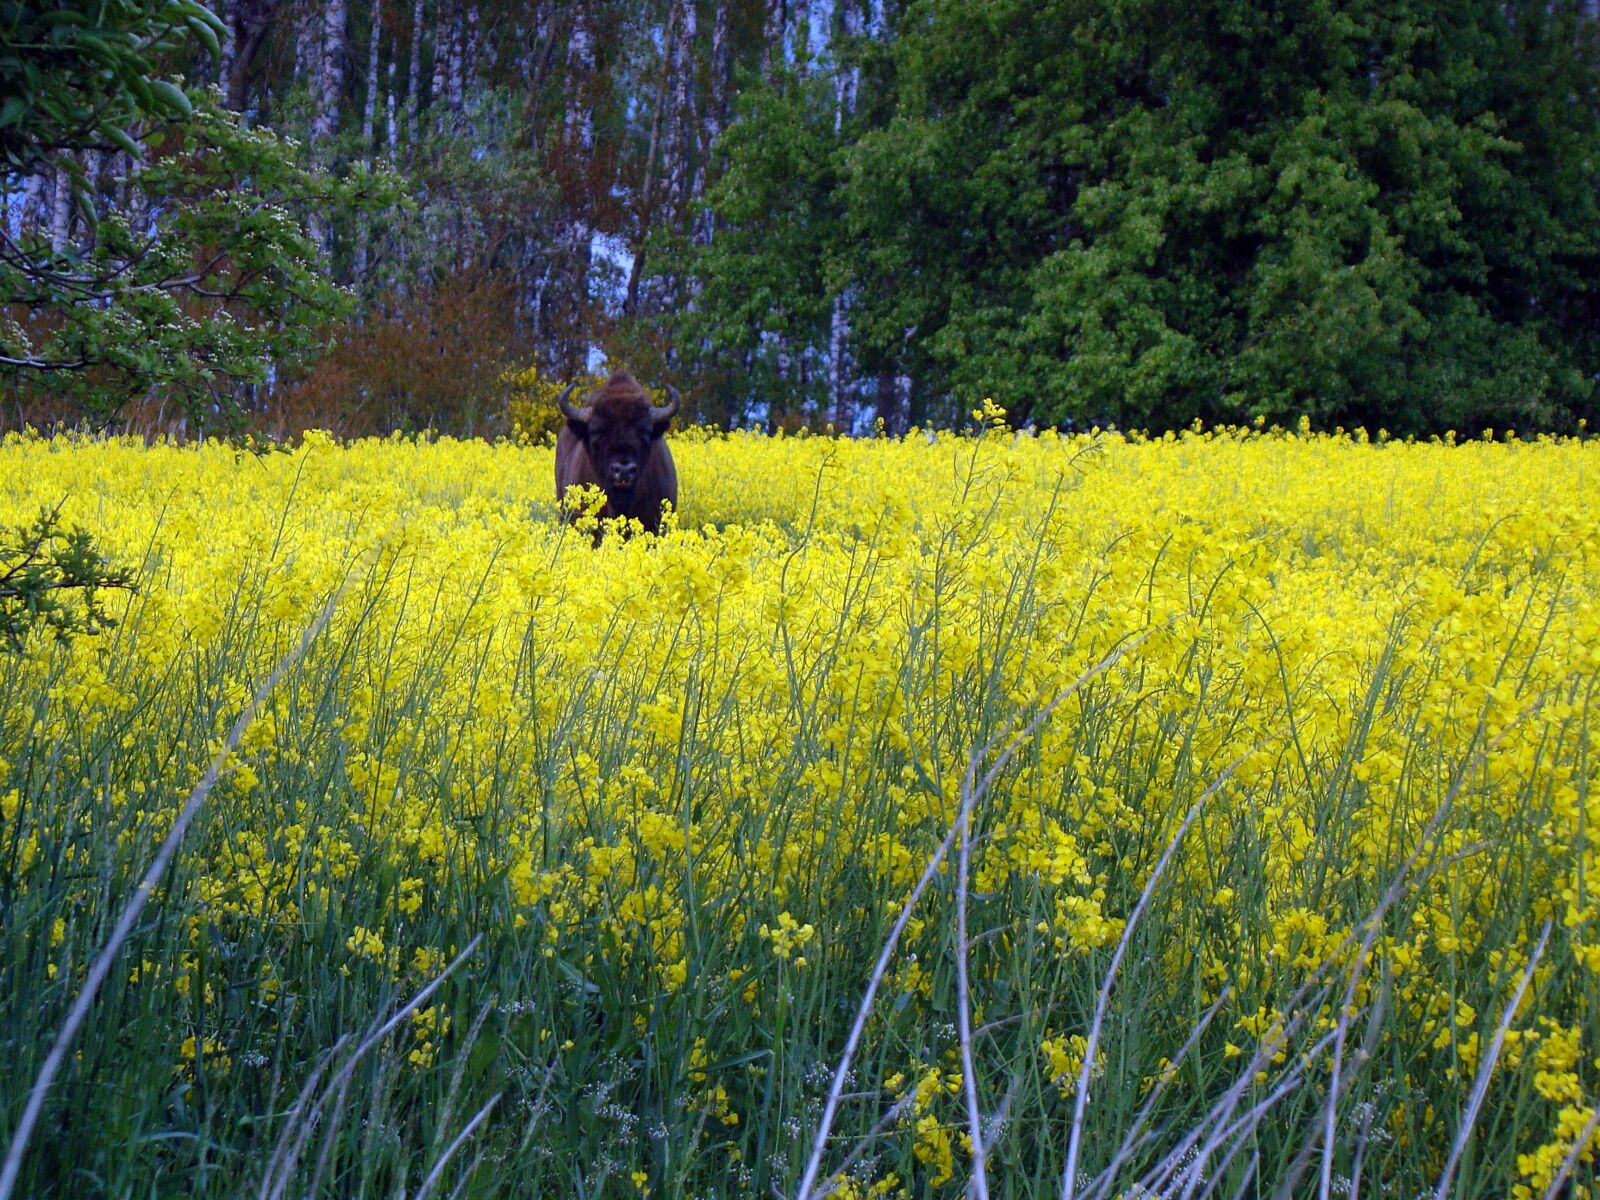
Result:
x=683 y=787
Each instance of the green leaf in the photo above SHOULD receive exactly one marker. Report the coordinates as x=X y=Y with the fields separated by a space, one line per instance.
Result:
x=208 y=35
x=83 y=198
x=54 y=19
x=12 y=110
x=172 y=97
x=123 y=139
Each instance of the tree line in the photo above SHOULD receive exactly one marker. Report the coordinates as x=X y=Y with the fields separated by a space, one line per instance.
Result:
x=367 y=214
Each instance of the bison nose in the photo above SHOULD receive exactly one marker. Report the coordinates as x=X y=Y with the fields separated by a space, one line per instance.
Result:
x=623 y=474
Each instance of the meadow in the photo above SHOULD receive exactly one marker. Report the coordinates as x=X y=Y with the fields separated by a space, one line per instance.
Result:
x=983 y=814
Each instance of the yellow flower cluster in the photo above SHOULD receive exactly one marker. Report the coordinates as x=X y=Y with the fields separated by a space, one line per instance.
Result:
x=787 y=936
x=676 y=765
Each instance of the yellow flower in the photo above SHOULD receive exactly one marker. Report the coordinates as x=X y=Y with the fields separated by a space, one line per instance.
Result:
x=363 y=943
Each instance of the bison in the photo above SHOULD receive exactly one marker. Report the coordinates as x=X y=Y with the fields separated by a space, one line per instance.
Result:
x=615 y=442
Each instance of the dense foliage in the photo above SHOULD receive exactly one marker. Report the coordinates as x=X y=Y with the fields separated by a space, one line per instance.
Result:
x=682 y=788
x=1384 y=214
x=204 y=293
x=51 y=580
x=804 y=213
x=80 y=74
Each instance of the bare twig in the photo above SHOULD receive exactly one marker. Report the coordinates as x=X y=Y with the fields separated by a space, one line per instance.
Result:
x=460 y=1139
x=969 y=792
x=1130 y=1139
x=1570 y=1163
x=969 y=1070
x=885 y=1123
x=1081 y=1100
x=1480 y=1086
x=307 y=1111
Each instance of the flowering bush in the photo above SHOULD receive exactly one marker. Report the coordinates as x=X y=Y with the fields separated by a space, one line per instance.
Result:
x=531 y=407
x=531 y=410
x=1346 y=687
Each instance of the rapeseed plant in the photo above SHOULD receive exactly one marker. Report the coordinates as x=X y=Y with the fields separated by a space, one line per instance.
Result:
x=682 y=788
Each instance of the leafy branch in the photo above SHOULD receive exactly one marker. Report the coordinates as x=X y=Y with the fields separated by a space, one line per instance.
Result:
x=51 y=577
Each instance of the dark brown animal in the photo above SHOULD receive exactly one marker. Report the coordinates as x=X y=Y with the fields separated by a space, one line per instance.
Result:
x=615 y=442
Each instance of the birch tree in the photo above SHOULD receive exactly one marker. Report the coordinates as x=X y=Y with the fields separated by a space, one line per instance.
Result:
x=682 y=124
x=368 y=121
x=578 y=127
x=60 y=209
x=327 y=94
x=414 y=77
x=645 y=215
x=847 y=79
x=714 y=115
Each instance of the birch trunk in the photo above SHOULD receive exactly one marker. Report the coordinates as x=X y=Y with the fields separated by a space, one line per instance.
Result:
x=846 y=82
x=772 y=56
x=646 y=215
x=307 y=41
x=389 y=102
x=773 y=59
x=681 y=138
x=716 y=115
x=136 y=205
x=228 y=11
x=472 y=52
x=578 y=124
x=441 y=62
x=414 y=75
x=891 y=402
x=33 y=203
x=329 y=90
x=800 y=12
x=714 y=119
x=456 y=76
x=330 y=79
x=368 y=119
x=61 y=211
x=369 y=115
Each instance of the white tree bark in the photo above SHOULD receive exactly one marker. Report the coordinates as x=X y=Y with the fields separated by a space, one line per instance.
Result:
x=227 y=11
x=307 y=41
x=846 y=83
x=61 y=211
x=892 y=402
x=414 y=74
x=441 y=62
x=328 y=93
x=578 y=123
x=772 y=56
x=389 y=103
x=473 y=50
x=680 y=137
x=715 y=117
x=647 y=193
x=136 y=204
x=849 y=80
x=456 y=79
x=330 y=77
x=368 y=120
x=800 y=11
x=370 y=113
x=32 y=203
x=721 y=75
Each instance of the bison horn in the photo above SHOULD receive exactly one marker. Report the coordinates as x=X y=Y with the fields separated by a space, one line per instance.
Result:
x=571 y=413
x=669 y=411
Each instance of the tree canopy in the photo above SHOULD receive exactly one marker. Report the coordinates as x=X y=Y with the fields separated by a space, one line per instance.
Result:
x=373 y=214
x=1374 y=213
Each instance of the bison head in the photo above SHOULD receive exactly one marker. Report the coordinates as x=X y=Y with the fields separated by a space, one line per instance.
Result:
x=618 y=427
